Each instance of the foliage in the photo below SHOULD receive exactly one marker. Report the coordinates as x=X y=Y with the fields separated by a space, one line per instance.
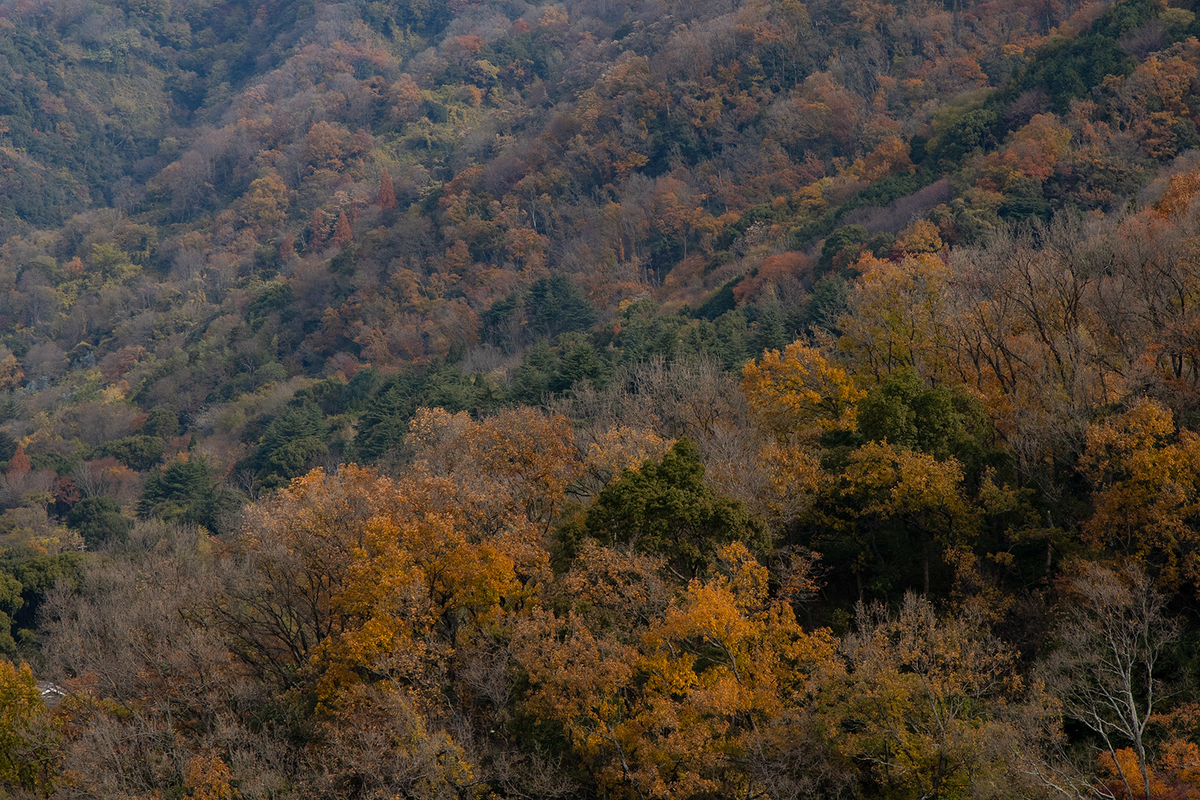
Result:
x=924 y=699
x=139 y=453
x=23 y=758
x=667 y=509
x=801 y=391
x=184 y=491
x=99 y=521
x=1146 y=490
x=680 y=336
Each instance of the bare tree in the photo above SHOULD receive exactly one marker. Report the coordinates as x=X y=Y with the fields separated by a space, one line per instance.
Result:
x=1113 y=635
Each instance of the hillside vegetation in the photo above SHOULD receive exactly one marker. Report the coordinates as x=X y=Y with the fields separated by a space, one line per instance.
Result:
x=606 y=399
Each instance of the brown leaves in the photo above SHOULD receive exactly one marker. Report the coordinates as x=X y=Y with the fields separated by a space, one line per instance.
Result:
x=518 y=462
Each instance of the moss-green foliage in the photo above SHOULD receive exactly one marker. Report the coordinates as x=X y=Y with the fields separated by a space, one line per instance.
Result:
x=161 y=423
x=842 y=246
x=137 y=452
x=667 y=509
x=548 y=369
x=49 y=156
x=945 y=422
x=556 y=305
x=185 y=491
x=99 y=521
x=8 y=447
x=964 y=129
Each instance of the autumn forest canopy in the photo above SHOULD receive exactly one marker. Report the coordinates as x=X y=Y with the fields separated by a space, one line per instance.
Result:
x=630 y=399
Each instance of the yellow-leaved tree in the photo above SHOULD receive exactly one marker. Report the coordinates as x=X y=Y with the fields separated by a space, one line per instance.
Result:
x=897 y=316
x=800 y=392
x=677 y=706
x=28 y=757
x=893 y=511
x=368 y=597
x=918 y=707
x=1146 y=489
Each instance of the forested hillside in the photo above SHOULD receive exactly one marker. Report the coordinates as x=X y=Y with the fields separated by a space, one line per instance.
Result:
x=648 y=400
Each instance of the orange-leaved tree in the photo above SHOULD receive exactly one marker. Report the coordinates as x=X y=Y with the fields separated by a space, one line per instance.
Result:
x=1146 y=480
x=355 y=578
x=679 y=703
x=800 y=392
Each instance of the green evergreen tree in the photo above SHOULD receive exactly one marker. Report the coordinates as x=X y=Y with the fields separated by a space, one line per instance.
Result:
x=556 y=305
x=667 y=509
x=291 y=444
x=136 y=452
x=184 y=491
x=99 y=521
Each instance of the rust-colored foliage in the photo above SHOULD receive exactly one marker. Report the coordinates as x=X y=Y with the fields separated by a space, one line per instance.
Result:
x=387 y=192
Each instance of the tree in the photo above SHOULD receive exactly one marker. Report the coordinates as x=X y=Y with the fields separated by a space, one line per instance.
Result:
x=667 y=509
x=342 y=234
x=10 y=603
x=800 y=392
x=920 y=708
x=343 y=581
x=556 y=305
x=508 y=470
x=99 y=521
x=207 y=777
x=1147 y=492
x=672 y=702
x=325 y=147
x=267 y=200
x=184 y=491
x=296 y=553
x=890 y=511
x=318 y=229
x=291 y=444
x=19 y=464
x=161 y=423
x=896 y=316
x=11 y=373
x=387 y=192
x=1112 y=635
x=132 y=634
x=380 y=744
x=139 y=453
x=26 y=759
x=941 y=421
